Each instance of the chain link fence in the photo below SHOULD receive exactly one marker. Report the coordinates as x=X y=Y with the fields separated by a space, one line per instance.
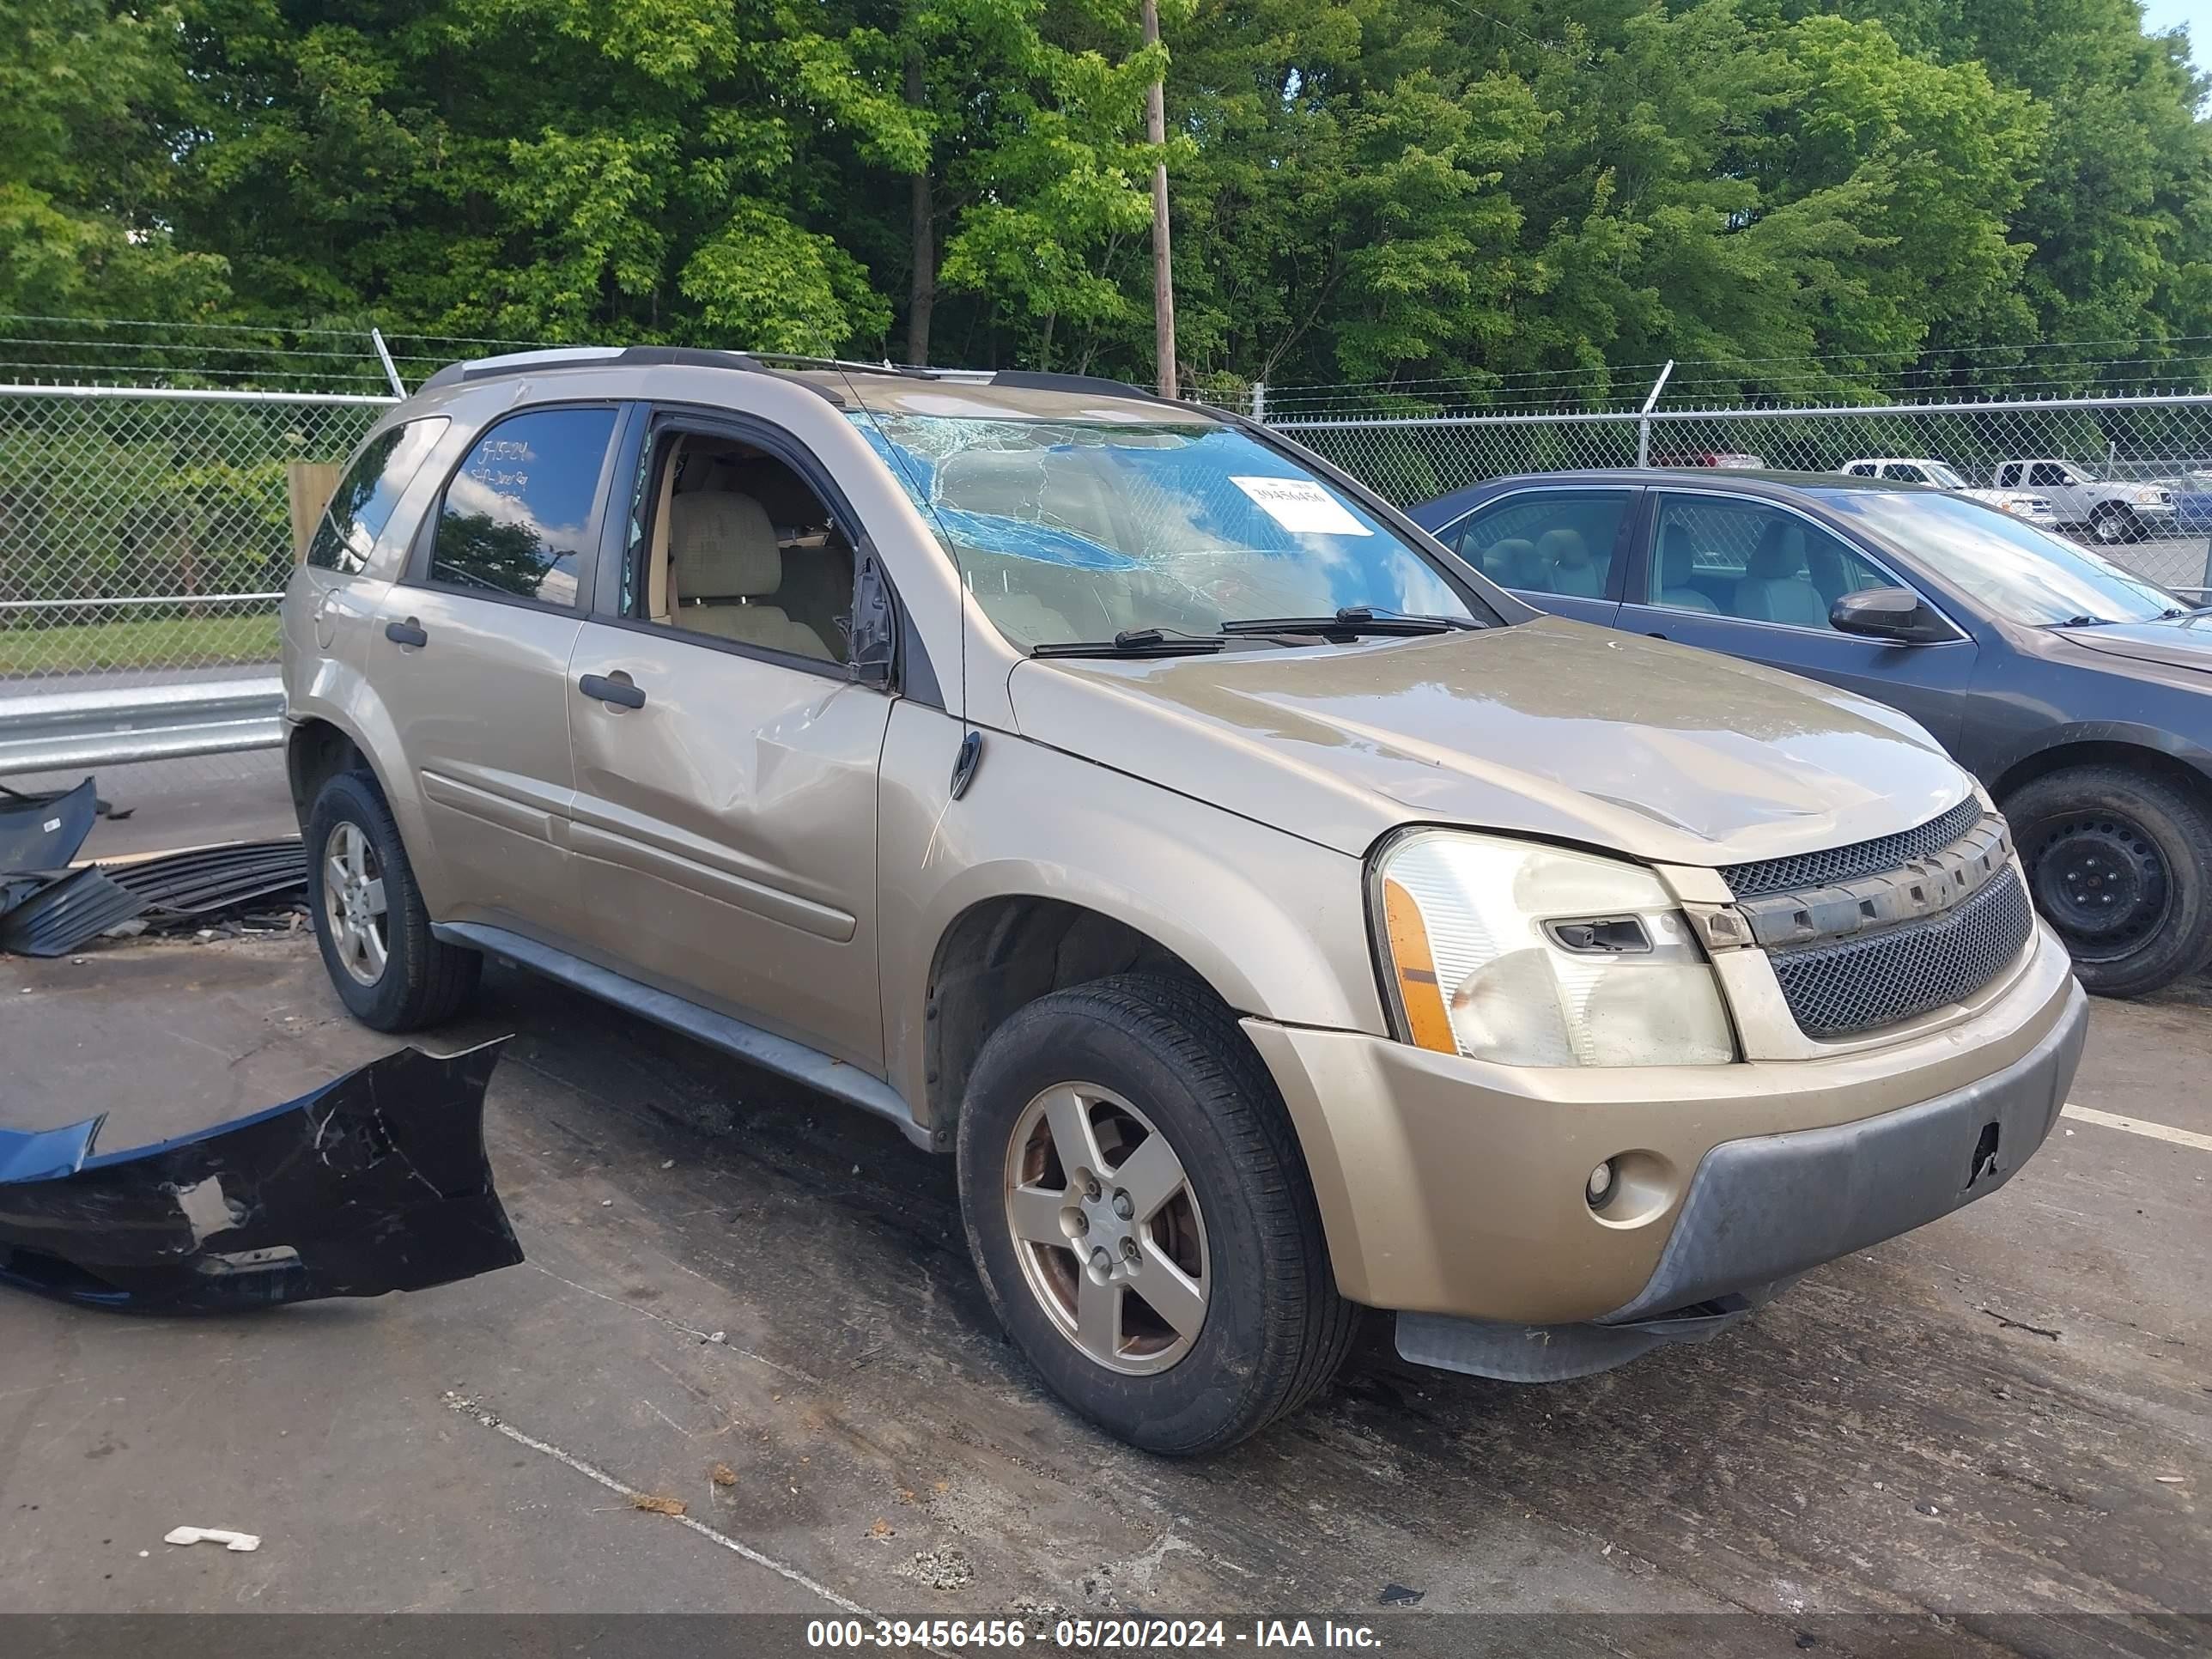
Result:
x=2130 y=475
x=145 y=535
x=146 y=530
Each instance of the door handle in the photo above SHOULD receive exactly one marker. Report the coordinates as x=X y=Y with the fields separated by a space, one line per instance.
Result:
x=603 y=690
x=407 y=633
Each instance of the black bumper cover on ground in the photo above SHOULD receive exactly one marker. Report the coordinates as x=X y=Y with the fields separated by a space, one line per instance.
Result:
x=1764 y=1211
x=376 y=1182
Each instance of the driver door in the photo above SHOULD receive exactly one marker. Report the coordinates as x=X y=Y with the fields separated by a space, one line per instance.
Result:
x=725 y=744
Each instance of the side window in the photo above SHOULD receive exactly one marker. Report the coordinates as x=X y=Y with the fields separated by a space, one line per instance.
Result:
x=1862 y=470
x=1905 y=472
x=516 y=519
x=1745 y=558
x=730 y=543
x=1547 y=541
x=2044 y=475
x=362 y=503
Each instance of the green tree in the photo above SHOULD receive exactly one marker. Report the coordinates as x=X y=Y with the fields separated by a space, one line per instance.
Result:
x=83 y=176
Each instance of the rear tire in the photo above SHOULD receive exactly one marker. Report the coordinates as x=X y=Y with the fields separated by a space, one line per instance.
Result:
x=2119 y=862
x=1142 y=1055
x=369 y=918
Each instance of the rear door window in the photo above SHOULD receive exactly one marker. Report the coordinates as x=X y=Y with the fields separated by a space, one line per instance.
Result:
x=364 y=501
x=1547 y=541
x=519 y=517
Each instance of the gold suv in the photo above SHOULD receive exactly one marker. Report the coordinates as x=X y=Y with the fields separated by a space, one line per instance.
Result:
x=1275 y=917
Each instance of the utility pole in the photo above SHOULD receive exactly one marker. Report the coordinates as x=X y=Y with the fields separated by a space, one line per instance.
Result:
x=921 y=291
x=1156 y=134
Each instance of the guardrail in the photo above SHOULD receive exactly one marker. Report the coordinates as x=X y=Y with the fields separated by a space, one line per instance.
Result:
x=62 y=731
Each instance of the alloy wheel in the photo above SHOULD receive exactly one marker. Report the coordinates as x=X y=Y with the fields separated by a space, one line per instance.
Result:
x=353 y=902
x=1107 y=1227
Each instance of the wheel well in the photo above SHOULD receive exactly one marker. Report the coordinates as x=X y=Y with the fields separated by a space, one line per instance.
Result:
x=1003 y=953
x=315 y=752
x=2066 y=755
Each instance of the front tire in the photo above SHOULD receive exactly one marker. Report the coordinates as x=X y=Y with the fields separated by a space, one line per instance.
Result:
x=2110 y=525
x=369 y=918
x=1141 y=1217
x=2119 y=862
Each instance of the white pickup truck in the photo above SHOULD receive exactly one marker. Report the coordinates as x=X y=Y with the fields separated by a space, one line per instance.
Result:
x=2110 y=510
x=1919 y=469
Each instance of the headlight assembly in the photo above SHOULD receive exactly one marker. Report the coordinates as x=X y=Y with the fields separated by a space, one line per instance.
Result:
x=1529 y=954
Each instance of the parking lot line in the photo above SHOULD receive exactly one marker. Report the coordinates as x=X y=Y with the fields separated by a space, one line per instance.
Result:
x=591 y=1472
x=2135 y=1125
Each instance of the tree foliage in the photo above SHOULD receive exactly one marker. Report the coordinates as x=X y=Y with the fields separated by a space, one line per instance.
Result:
x=1386 y=191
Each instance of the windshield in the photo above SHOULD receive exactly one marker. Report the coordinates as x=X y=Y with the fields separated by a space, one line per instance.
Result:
x=1071 y=530
x=1940 y=474
x=2022 y=574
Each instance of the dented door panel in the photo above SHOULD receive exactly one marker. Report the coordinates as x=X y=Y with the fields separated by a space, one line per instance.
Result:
x=725 y=831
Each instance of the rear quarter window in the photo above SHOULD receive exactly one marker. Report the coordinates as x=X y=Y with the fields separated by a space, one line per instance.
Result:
x=367 y=495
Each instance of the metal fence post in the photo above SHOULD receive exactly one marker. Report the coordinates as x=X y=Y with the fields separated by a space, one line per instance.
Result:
x=1643 y=417
x=384 y=356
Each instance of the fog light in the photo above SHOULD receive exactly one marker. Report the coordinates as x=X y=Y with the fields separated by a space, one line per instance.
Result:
x=1599 y=1188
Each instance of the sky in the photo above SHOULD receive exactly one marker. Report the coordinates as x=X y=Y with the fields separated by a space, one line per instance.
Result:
x=2161 y=15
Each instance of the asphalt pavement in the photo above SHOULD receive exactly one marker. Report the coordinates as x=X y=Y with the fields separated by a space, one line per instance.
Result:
x=1996 y=1431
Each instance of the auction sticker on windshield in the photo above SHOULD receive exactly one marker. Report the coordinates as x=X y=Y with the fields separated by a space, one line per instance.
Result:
x=1300 y=506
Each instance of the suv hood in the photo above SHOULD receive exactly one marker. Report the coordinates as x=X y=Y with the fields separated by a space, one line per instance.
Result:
x=2173 y=643
x=1548 y=728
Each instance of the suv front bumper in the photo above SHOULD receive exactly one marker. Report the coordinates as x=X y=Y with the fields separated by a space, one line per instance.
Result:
x=1453 y=1187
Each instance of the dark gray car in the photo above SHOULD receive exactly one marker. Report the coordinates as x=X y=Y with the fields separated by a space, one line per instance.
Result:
x=2079 y=693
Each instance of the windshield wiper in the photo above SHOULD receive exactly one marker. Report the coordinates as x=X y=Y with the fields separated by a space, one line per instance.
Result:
x=1353 y=619
x=2083 y=620
x=1134 y=643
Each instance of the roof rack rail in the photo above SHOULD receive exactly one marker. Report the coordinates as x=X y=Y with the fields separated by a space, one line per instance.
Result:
x=1037 y=380
x=643 y=356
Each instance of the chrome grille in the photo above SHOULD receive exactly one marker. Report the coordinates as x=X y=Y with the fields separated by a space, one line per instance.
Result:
x=1861 y=858
x=1858 y=984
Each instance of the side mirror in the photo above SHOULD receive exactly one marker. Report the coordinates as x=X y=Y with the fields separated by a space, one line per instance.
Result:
x=1898 y=614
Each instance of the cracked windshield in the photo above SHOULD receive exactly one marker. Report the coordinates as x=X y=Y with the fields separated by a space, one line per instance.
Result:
x=1079 y=530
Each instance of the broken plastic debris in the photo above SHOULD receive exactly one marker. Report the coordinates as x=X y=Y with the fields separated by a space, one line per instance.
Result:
x=376 y=1182
x=240 y=1542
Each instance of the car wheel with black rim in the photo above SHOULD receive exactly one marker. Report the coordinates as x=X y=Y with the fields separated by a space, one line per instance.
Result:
x=369 y=918
x=2119 y=862
x=1141 y=1217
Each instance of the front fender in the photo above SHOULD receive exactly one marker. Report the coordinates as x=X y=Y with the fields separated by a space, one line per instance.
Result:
x=2133 y=734
x=1276 y=925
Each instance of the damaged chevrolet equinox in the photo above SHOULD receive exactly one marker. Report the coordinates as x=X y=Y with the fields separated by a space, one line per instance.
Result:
x=1275 y=919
